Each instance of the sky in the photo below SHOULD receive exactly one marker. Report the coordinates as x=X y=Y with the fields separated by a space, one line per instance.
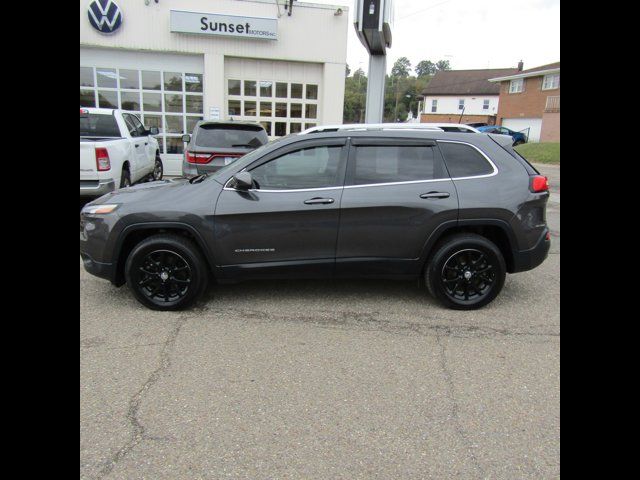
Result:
x=471 y=34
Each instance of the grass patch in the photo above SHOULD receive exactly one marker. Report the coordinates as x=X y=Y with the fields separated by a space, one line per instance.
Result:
x=540 y=152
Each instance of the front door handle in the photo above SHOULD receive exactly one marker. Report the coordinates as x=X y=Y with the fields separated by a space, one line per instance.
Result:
x=137 y=145
x=318 y=201
x=435 y=195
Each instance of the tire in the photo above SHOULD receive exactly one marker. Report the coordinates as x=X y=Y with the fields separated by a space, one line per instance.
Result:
x=518 y=142
x=465 y=272
x=125 y=178
x=166 y=272
x=158 y=170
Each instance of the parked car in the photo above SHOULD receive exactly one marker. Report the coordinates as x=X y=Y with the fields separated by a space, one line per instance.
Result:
x=116 y=150
x=477 y=124
x=459 y=210
x=518 y=137
x=215 y=144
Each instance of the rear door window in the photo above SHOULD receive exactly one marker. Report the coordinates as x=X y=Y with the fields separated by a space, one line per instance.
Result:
x=464 y=160
x=230 y=136
x=395 y=163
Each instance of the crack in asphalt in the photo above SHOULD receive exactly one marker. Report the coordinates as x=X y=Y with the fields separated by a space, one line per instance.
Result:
x=370 y=321
x=455 y=408
x=138 y=429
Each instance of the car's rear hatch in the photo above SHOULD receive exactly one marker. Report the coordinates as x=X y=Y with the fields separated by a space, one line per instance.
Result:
x=217 y=145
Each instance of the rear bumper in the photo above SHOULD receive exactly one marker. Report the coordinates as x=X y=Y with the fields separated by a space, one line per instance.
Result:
x=191 y=169
x=97 y=188
x=102 y=270
x=524 y=260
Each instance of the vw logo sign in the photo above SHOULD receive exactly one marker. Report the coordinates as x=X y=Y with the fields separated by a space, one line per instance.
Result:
x=105 y=16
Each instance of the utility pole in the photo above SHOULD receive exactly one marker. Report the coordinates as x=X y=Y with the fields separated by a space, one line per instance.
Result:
x=373 y=23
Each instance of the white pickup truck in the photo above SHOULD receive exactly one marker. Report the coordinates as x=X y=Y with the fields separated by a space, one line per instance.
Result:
x=116 y=150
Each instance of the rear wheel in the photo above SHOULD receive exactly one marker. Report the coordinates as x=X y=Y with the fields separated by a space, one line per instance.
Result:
x=125 y=178
x=467 y=271
x=166 y=272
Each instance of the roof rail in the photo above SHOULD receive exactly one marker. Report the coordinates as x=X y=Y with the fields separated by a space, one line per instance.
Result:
x=370 y=127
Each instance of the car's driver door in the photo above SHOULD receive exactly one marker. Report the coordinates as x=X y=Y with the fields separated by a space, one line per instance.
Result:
x=288 y=223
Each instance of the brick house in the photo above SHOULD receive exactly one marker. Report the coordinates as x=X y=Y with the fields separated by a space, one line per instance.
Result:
x=531 y=100
x=463 y=96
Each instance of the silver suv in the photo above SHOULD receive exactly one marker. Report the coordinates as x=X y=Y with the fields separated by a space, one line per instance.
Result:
x=216 y=144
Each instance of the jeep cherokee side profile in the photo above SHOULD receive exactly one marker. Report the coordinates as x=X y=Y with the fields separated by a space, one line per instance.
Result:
x=459 y=210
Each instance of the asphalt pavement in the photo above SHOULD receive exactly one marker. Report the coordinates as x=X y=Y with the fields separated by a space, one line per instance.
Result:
x=324 y=379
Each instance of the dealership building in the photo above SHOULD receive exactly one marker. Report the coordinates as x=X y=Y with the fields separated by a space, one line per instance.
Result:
x=174 y=62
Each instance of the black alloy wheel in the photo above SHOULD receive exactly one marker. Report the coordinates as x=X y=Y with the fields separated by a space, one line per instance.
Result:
x=166 y=272
x=163 y=276
x=467 y=275
x=466 y=271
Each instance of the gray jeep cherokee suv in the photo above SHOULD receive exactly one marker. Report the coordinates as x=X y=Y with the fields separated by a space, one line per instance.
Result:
x=459 y=210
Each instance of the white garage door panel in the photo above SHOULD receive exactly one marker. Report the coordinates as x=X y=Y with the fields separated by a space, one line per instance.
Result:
x=518 y=124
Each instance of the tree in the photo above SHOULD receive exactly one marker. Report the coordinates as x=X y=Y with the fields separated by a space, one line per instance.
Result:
x=443 y=65
x=401 y=68
x=424 y=68
x=348 y=70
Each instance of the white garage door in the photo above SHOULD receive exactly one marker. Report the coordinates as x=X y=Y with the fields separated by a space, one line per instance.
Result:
x=519 y=124
x=285 y=97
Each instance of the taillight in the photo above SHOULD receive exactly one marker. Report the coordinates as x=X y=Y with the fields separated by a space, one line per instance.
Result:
x=102 y=159
x=201 y=158
x=539 y=183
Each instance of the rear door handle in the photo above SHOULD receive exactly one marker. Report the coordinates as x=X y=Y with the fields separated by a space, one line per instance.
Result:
x=318 y=201
x=435 y=195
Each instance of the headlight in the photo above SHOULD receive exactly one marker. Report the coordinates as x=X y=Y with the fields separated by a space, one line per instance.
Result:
x=99 y=209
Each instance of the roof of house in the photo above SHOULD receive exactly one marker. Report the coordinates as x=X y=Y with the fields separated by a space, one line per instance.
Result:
x=532 y=72
x=466 y=82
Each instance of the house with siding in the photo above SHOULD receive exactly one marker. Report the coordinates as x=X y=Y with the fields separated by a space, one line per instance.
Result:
x=530 y=102
x=463 y=96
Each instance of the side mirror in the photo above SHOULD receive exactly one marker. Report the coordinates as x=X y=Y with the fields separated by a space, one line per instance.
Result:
x=186 y=138
x=154 y=131
x=242 y=181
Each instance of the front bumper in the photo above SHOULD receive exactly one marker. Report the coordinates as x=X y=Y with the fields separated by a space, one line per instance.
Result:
x=96 y=188
x=99 y=269
x=524 y=260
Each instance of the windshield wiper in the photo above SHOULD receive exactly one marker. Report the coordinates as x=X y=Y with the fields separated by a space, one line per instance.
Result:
x=243 y=145
x=198 y=178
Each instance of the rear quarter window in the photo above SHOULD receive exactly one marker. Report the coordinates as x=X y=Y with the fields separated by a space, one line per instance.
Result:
x=464 y=160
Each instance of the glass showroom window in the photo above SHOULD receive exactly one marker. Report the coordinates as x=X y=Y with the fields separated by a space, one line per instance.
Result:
x=171 y=101
x=281 y=107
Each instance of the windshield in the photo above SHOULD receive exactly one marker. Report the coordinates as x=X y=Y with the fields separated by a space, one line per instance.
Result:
x=94 y=125
x=230 y=136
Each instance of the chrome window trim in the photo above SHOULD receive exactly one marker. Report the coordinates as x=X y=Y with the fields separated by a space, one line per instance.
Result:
x=493 y=165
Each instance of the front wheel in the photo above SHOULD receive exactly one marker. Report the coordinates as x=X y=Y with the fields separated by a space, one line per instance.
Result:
x=517 y=142
x=166 y=272
x=466 y=272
